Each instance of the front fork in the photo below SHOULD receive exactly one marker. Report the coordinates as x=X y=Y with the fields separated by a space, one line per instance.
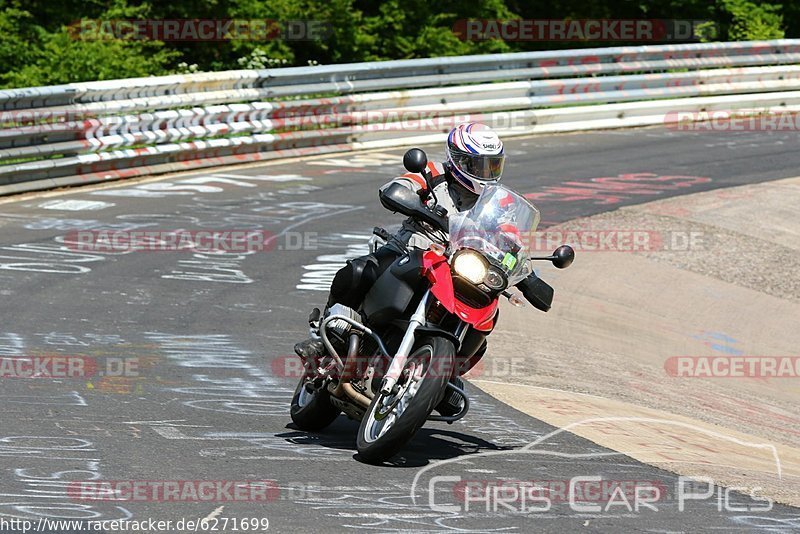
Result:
x=398 y=363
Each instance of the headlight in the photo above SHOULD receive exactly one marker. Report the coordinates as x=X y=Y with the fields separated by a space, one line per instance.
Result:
x=495 y=279
x=470 y=265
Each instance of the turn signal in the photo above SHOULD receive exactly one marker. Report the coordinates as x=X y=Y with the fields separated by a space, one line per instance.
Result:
x=516 y=301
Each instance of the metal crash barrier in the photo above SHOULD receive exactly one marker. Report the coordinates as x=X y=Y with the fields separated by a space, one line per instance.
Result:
x=95 y=131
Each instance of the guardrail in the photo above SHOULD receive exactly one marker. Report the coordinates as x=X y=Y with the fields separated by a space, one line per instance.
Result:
x=95 y=131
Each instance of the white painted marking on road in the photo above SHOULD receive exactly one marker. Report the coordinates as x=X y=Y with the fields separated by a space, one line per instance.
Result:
x=395 y=517
x=266 y=177
x=166 y=422
x=171 y=433
x=216 y=178
x=75 y=205
x=318 y=276
x=378 y=159
x=212 y=515
x=293 y=458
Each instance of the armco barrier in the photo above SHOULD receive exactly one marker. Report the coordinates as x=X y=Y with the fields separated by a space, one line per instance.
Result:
x=95 y=131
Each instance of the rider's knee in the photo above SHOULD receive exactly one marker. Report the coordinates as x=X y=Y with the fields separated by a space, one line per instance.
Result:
x=353 y=280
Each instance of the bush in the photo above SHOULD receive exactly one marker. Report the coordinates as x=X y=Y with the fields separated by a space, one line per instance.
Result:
x=751 y=22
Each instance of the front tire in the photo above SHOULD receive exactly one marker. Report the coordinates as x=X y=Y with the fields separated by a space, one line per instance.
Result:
x=311 y=408
x=393 y=420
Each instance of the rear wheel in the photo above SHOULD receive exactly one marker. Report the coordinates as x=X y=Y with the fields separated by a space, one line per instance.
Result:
x=311 y=406
x=392 y=420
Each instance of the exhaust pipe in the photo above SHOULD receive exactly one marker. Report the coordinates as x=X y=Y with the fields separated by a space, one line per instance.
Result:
x=345 y=388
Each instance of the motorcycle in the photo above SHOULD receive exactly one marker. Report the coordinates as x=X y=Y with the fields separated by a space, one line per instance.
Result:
x=425 y=319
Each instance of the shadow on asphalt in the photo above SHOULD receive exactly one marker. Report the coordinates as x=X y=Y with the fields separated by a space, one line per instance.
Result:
x=429 y=443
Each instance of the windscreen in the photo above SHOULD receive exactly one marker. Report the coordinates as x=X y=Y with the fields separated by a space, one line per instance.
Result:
x=500 y=226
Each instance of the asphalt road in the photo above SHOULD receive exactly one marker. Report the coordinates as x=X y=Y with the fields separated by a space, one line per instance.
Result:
x=192 y=350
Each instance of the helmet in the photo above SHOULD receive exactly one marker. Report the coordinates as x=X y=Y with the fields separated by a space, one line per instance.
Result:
x=475 y=154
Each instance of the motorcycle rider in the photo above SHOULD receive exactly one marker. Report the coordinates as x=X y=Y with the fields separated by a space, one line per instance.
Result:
x=474 y=157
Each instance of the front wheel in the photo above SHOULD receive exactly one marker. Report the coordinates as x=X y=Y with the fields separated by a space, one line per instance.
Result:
x=392 y=420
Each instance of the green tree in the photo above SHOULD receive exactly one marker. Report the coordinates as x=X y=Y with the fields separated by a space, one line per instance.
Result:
x=39 y=46
x=34 y=54
x=64 y=59
x=19 y=35
x=750 y=21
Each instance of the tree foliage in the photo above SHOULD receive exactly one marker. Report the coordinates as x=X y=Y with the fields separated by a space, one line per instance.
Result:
x=39 y=44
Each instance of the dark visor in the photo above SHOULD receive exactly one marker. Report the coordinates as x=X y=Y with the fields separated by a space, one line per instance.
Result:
x=479 y=166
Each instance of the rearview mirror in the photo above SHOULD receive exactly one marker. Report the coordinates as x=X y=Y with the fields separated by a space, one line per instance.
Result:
x=563 y=257
x=415 y=160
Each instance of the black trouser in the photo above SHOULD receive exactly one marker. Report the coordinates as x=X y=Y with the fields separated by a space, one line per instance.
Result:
x=353 y=281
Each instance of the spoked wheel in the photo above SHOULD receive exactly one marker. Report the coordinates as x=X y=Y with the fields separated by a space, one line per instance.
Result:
x=311 y=407
x=392 y=420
